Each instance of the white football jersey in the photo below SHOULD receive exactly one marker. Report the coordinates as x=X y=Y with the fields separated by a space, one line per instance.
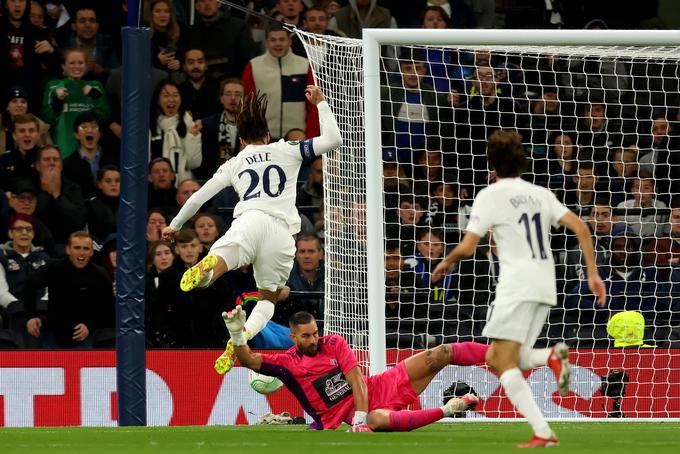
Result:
x=265 y=179
x=265 y=176
x=520 y=215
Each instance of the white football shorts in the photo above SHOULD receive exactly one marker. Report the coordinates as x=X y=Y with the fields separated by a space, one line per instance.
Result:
x=262 y=240
x=519 y=321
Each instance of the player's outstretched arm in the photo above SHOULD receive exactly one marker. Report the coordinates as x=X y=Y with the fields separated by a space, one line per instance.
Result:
x=330 y=137
x=360 y=395
x=235 y=321
x=464 y=250
x=576 y=225
x=195 y=202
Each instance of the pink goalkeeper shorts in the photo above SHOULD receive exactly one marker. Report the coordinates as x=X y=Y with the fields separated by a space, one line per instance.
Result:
x=390 y=390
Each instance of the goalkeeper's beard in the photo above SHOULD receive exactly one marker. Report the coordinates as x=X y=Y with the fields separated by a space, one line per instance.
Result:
x=309 y=350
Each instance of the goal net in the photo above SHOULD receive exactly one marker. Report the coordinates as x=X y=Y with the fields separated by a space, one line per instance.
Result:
x=599 y=125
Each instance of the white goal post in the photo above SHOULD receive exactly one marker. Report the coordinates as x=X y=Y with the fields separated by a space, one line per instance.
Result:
x=638 y=73
x=373 y=39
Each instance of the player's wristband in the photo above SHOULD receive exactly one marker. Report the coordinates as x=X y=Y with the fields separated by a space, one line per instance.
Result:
x=359 y=418
x=237 y=338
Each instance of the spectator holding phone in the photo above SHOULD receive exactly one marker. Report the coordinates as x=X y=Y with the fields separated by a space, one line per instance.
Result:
x=166 y=35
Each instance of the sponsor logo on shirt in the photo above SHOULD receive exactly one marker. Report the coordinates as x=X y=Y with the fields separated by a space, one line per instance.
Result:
x=332 y=387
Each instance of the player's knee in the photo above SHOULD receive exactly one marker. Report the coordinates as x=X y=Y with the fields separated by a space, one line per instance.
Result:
x=499 y=359
x=379 y=420
x=490 y=356
x=440 y=356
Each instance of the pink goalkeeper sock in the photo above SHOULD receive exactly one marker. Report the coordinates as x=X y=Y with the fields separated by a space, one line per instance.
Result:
x=404 y=420
x=468 y=353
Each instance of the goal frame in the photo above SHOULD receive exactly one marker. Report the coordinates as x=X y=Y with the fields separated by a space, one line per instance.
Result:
x=372 y=40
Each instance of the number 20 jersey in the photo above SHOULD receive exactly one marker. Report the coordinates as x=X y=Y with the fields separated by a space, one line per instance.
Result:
x=520 y=215
x=265 y=178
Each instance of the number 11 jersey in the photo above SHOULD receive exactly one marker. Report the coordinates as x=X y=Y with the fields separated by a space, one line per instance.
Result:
x=520 y=215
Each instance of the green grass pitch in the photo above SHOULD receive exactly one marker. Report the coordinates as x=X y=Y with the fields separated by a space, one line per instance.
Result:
x=582 y=438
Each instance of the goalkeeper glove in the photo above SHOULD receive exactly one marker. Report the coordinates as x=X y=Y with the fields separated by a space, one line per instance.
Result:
x=359 y=422
x=235 y=321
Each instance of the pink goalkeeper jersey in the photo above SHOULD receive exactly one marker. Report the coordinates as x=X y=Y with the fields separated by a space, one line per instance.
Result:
x=318 y=381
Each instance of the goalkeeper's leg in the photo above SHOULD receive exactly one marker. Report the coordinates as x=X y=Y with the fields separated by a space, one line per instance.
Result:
x=259 y=316
x=407 y=420
x=423 y=367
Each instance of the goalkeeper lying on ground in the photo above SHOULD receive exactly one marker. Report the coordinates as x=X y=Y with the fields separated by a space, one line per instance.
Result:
x=323 y=373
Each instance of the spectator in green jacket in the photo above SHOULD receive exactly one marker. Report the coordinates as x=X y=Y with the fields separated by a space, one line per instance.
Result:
x=65 y=98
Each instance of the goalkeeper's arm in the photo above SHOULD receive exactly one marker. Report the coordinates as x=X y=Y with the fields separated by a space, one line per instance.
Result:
x=360 y=395
x=247 y=358
x=235 y=320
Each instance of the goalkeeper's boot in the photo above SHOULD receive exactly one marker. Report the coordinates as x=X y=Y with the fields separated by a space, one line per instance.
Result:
x=538 y=442
x=459 y=405
x=225 y=362
x=199 y=275
x=558 y=361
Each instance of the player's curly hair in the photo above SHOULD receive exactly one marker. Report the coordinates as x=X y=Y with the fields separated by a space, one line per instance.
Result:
x=506 y=153
x=251 y=120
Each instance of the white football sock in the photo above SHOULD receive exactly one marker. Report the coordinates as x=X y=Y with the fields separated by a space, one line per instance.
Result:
x=519 y=393
x=258 y=318
x=533 y=357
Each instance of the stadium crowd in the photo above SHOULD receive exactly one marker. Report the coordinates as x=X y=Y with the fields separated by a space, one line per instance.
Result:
x=598 y=140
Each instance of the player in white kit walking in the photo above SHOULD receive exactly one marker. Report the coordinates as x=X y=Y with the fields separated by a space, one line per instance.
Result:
x=264 y=175
x=520 y=215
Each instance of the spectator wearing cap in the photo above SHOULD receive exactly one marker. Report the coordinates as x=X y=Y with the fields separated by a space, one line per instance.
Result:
x=24 y=49
x=19 y=258
x=102 y=209
x=17 y=104
x=24 y=200
x=80 y=297
x=83 y=166
x=19 y=162
x=283 y=77
x=60 y=201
